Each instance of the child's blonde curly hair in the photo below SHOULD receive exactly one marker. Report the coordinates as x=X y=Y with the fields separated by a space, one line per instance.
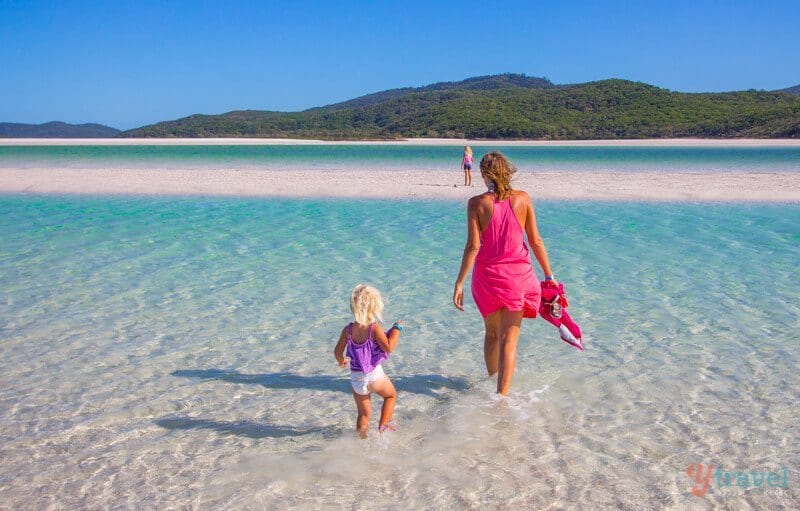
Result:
x=366 y=304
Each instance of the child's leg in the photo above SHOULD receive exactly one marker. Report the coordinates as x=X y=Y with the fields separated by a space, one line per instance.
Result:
x=363 y=407
x=385 y=389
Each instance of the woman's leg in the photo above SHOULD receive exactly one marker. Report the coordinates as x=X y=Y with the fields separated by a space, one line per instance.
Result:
x=466 y=173
x=363 y=407
x=509 y=333
x=491 y=348
x=385 y=389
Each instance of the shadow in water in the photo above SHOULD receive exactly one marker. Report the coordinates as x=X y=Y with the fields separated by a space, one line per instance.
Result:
x=433 y=385
x=245 y=428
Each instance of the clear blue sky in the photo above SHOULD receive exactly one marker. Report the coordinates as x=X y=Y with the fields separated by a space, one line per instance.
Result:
x=127 y=64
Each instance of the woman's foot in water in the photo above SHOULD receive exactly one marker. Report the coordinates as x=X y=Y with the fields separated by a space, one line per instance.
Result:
x=387 y=427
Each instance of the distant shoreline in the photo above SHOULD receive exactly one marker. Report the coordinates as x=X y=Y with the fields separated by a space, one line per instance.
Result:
x=650 y=142
x=378 y=183
x=404 y=185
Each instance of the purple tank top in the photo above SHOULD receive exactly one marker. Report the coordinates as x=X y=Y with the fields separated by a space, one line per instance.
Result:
x=365 y=356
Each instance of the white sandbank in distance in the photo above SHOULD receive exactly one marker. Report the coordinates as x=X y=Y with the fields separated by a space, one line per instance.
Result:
x=654 y=142
x=393 y=184
x=739 y=186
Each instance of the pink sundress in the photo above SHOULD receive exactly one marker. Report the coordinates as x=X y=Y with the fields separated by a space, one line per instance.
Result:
x=503 y=275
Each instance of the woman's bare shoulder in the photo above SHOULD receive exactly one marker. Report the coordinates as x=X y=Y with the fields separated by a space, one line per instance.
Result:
x=520 y=196
x=477 y=200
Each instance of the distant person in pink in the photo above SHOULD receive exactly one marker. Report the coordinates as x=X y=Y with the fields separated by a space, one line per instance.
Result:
x=466 y=164
x=364 y=346
x=504 y=286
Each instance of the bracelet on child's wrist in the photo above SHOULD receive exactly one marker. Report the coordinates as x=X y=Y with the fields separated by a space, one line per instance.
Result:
x=548 y=278
x=398 y=327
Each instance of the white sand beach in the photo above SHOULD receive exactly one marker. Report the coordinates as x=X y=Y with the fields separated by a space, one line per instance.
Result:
x=647 y=186
x=605 y=184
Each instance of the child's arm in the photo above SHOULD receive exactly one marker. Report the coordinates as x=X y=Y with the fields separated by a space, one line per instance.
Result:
x=338 y=351
x=388 y=343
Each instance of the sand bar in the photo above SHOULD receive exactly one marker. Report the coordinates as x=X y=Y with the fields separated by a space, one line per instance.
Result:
x=393 y=184
x=657 y=142
x=412 y=184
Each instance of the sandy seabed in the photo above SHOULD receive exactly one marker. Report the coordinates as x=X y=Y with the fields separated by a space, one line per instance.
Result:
x=398 y=184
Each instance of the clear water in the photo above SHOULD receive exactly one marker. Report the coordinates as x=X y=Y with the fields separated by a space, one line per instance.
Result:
x=177 y=353
x=349 y=156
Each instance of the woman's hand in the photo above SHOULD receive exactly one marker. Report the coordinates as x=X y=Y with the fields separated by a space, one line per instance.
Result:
x=458 y=297
x=550 y=281
x=344 y=362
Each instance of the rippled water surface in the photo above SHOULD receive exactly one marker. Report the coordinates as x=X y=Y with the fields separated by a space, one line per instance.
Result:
x=172 y=353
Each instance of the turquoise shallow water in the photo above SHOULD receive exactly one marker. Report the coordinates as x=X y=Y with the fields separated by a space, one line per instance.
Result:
x=349 y=156
x=173 y=353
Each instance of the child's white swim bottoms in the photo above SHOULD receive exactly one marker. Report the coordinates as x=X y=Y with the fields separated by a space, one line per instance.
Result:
x=360 y=380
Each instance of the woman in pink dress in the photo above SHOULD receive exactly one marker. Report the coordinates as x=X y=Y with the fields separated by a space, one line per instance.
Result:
x=504 y=286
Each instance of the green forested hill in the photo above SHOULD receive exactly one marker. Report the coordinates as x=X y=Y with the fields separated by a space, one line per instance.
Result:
x=55 y=129
x=513 y=106
x=477 y=83
x=792 y=90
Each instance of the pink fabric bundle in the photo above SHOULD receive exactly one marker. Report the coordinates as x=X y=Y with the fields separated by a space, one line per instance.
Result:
x=553 y=308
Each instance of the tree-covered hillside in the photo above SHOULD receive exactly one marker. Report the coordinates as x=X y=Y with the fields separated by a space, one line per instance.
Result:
x=491 y=82
x=56 y=130
x=792 y=90
x=513 y=106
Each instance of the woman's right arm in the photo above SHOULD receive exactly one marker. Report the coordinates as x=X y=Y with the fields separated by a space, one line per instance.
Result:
x=470 y=252
x=535 y=240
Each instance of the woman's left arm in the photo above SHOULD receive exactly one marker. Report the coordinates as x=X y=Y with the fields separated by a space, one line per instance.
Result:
x=470 y=252
x=535 y=240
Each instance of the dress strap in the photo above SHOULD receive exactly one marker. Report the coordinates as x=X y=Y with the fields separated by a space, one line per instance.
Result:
x=350 y=332
x=369 y=334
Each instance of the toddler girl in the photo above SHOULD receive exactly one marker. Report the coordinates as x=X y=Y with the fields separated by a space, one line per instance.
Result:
x=466 y=164
x=367 y=346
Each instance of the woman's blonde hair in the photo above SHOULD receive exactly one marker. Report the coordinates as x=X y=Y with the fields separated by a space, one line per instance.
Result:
x=500 y=171
x=468 y=149
x=366 y=304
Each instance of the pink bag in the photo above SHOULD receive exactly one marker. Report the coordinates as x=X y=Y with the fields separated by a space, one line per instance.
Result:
x=553 y=308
